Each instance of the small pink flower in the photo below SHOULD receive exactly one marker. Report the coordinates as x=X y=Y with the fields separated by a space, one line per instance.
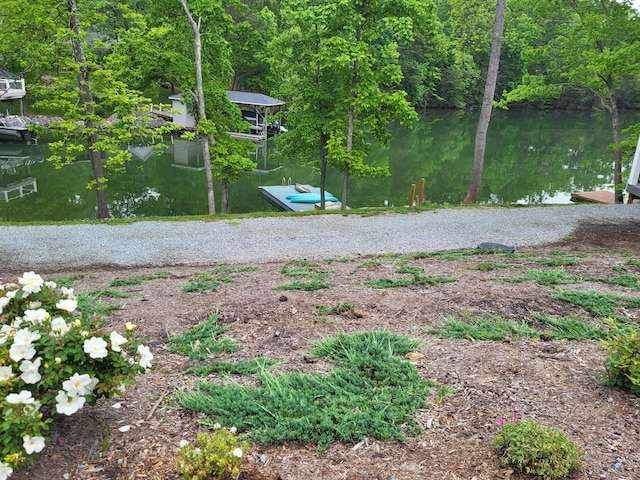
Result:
x=515 y=418
x=501 y=421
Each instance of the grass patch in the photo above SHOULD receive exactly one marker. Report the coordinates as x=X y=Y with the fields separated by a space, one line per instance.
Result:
x=67 y=281
x=489 y=266
x=556 y=262
x=494 y=328
x=629 y=281
x=211 y=281
x=336 y=310
x=239 y=367
x=315 y=279
x=91 y=302
x=372 y=392
x=202 y=341
x=544 y=277
x=307 y=285
x=599 y=304
x=122 y=282
x=571 y=329
x=418 y=278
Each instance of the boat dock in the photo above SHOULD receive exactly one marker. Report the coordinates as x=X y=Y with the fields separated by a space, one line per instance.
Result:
x=276 y=195
x=600 y=196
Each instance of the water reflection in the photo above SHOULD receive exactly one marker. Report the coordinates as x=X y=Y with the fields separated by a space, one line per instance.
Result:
x=16 y=179
x=531 y=158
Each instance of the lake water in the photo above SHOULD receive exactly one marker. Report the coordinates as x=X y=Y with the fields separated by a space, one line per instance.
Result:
x=531 y=158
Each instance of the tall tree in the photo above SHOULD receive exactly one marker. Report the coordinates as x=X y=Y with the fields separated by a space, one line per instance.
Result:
x=351 y=91
x=487 y=104
x=596 y=49
x=209 y=138
x=67 y=75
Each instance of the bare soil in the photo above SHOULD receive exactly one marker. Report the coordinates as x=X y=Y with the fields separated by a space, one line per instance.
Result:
x=551 y=382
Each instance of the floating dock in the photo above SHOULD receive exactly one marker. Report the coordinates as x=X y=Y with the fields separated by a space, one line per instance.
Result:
x=600 y=196
x=276 y=195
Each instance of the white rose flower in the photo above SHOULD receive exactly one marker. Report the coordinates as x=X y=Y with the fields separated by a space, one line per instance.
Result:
x=145 y=356
x=116 y=341
x=95 y=347
x=29 y=369
x=6 y=374
x=59 y=327
x=35 y=317
x=78 y=385
x=21 y=352
x=24 y=336
x=5 y=471
x=68 y=405
x=32 y=444
x=67 y=304
x=23 y=397
x=31 y=282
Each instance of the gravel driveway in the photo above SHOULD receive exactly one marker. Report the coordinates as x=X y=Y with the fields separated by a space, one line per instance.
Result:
x=252 y=240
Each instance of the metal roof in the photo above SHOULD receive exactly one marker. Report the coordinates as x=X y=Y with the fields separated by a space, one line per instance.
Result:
x=7 y=75
x=245 y=98
x=250 y=98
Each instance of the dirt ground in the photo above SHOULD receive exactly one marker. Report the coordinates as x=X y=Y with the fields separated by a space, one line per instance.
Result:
x=551 y=382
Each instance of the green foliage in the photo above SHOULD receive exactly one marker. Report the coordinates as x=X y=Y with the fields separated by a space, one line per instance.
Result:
x=418 y=278
x=336 y=310
x=121 y=282
x=571 y=329
x=537 y=449
x=483 y=329
x=218 y=455
x=201 y=341
x=371 y=393
x=307 y=285
x=211 y=281
x=54 y=359
x=90 y=301
x=239 y=367
x=488 y=266
x=629 y=281
x=623 y=355
x=544 y=277
x=315 y=277
x=601 y=304
x=557 y=262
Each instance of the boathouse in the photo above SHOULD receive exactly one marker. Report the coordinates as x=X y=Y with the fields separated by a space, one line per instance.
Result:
x=12 y=87
x=255 y=108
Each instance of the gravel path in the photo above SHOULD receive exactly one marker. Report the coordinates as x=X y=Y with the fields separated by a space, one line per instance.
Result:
x=152 y=243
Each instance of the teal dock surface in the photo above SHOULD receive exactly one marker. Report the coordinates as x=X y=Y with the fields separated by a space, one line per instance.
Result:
x=276 y=195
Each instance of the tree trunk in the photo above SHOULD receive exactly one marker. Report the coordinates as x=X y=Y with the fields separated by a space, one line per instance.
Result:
x=86 y=97
x=487 y=105
x=617 y=151
x=354 y=84
x=224 y=195
x=208 y=139
x=323 y=170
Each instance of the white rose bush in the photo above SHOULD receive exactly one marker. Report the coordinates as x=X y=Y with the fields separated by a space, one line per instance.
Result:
x=54 y=359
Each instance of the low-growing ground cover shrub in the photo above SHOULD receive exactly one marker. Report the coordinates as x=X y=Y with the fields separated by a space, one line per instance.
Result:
x=218 y=455
x=54 y=358
x=536 y=449
x=371 y=392
x=623 y=355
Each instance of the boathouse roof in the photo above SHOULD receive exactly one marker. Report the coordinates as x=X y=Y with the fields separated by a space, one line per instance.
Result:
x=245 y=98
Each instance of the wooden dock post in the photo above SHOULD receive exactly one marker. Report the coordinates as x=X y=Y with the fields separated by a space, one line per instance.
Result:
x=412 y=193
x=421 y=194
